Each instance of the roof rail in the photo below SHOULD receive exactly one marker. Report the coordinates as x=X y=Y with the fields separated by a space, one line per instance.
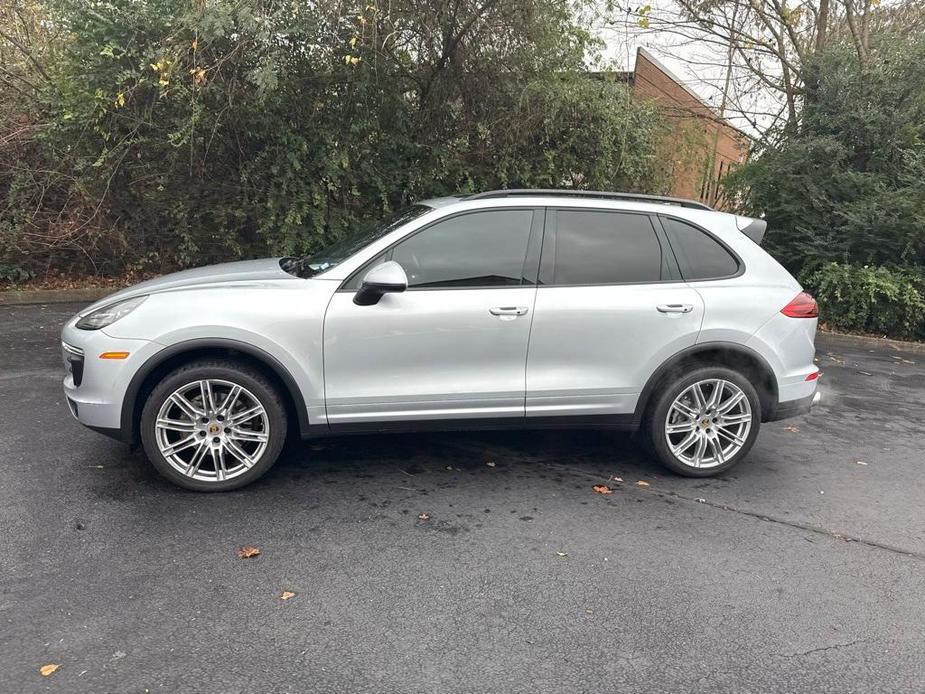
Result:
x=632 y=197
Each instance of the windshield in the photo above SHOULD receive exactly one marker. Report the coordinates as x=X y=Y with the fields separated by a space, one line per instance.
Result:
x=339 y=251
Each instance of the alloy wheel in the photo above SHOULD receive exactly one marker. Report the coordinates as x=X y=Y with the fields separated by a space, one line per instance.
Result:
x=212 y=430
x=708 y=423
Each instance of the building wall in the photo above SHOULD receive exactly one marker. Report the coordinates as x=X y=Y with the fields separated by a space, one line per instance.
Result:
x=703 y=146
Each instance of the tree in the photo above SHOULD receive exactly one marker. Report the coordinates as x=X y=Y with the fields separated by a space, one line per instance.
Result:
x=849 y=184
x=184 y=132
x=772 y=44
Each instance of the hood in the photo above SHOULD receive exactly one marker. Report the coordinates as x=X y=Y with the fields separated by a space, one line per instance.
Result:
x=243 y=271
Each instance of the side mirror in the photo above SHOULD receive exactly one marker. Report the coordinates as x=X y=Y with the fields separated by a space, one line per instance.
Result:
x=382 y=279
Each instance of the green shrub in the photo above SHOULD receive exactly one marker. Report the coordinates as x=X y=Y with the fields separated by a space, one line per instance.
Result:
x=870 y=299
x=180 y=132
x=848 y=185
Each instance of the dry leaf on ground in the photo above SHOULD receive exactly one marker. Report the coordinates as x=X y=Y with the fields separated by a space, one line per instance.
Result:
x=490 y=464
x=287 y=594
x=561 y=554
x=792 y=428
x=602 y=489
x=860 y=462
x=49 y=669
x=246 y=552
x=642 y=483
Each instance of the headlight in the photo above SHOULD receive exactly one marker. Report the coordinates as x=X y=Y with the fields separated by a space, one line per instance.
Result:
x=108 y=315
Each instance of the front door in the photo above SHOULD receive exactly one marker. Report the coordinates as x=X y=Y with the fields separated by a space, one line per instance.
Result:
x=454 y=344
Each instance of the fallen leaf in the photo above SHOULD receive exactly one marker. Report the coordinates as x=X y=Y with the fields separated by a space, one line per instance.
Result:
x=642 y=483
x=865 y=373
x=792 y=428
x=423 y=517
x=490 y=464
x=561 y=554
x=701 y=500
x=287 y=594
x=246 y=552
x=49 y=669
x=860 y=462
x=449 y=467
x=616 y=479
x=602 y=489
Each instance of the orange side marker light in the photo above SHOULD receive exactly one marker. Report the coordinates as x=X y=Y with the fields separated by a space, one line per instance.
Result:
x=114 y=355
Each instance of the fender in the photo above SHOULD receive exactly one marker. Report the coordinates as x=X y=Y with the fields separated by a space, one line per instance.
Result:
x=768 y=404
x=127 y=430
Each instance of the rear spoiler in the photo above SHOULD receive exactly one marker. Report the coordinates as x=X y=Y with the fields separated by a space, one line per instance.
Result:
x=752 y=228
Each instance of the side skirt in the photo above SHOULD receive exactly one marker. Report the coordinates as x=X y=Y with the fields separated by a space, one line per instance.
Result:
x=618 y=422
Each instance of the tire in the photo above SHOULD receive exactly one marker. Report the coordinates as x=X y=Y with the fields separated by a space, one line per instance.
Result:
x=218 y=448
x=727 y=436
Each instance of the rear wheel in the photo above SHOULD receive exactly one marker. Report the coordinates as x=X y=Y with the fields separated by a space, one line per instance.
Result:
x=704 y=422
x=213 y=425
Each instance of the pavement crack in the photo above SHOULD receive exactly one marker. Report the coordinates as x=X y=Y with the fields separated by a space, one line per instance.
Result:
x=752 y=514
x=821 y=649
x=799 y=526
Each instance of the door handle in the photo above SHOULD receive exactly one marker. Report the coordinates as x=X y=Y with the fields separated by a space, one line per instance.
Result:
x=508 y=311
x=674 y=308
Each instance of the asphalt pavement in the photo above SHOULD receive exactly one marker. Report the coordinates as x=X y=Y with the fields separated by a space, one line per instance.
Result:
x=801 y=570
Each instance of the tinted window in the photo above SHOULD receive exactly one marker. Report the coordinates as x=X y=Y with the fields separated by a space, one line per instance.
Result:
x=699 y=255
x=341 y=250
x=482 y=249
x=605 y=248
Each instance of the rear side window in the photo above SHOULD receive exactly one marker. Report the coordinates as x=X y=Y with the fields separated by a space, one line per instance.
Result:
x=596 y=247
x=699 y=255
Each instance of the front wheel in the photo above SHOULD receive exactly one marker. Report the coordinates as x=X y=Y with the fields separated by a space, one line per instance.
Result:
x=704 y=422
x=213 y=425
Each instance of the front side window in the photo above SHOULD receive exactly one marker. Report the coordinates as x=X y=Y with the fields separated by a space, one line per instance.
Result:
x=481 y=249
x=598 y=247
x=699 y=255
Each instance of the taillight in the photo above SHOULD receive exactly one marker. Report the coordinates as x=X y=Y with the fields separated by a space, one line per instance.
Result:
x=802 y=306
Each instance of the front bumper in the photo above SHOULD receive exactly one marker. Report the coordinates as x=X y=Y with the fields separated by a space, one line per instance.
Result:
x=95 y=387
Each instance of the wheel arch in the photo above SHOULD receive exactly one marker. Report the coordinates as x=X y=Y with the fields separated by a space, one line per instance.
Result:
x=727 y=354
x=169 y=358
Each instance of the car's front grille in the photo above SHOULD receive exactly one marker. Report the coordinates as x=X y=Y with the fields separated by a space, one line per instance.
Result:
x=73 y=362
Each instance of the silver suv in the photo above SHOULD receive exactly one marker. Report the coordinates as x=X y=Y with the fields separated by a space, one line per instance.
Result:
x=502 y=309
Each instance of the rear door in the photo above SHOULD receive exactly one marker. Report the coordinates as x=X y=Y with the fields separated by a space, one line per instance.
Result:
x=610 y=307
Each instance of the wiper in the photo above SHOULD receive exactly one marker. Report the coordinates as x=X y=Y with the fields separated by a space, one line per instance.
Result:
x=298 y=266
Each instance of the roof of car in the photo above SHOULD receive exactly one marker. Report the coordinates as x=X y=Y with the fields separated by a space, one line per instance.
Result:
x=564 y=193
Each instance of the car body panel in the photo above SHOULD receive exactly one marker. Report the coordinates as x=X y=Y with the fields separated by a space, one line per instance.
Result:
x=593 y=348
x=425 y=354
x=283 y=318
x=239 y=273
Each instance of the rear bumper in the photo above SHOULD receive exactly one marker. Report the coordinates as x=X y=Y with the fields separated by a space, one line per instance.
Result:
x=794 y=408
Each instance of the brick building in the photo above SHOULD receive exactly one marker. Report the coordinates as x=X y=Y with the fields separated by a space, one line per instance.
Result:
x=703 y=146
